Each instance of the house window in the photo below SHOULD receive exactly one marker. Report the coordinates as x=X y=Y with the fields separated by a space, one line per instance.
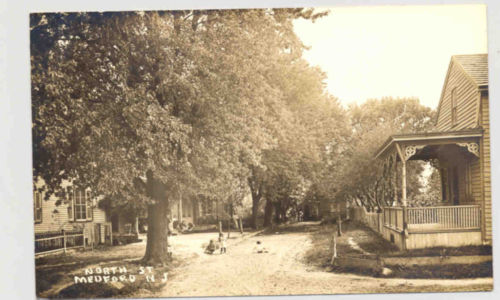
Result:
x=37 y=206
x=79 y=205
x=454 y=106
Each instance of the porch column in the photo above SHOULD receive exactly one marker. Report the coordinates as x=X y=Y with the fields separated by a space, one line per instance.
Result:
x=402 y=157
x=395 y=178
x=403 y=183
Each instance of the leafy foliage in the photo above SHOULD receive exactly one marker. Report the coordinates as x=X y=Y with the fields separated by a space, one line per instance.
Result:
x=364 y=179
x=146 y=107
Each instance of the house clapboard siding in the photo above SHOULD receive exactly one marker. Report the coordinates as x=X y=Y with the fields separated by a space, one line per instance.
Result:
x=485 y=154
x=55 y=215
x=466 y=97
x=467 y=83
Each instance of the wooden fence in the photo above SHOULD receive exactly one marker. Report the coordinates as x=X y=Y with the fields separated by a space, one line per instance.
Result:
x=393 y=218
x=58 y=241
x=371 y=219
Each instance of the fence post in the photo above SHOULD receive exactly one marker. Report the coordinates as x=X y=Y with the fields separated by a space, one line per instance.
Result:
x=110 y=233
x=383 y=216
x=64 y=240
x=334 y=246
x=378 y=221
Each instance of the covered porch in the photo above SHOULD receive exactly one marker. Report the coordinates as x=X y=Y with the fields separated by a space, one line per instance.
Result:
x=457 y=219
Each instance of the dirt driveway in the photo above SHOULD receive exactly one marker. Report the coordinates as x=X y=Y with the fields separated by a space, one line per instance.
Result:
x=281 y=271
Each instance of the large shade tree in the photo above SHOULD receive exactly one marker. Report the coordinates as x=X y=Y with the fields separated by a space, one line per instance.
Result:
x=147 y=107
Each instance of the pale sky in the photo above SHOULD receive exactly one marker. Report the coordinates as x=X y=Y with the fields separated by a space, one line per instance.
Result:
x=399 y=51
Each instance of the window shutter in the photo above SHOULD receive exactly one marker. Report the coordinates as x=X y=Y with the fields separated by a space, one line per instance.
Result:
x=70 y=199
x=39 y=208
x=88 y=200
x=34 y=205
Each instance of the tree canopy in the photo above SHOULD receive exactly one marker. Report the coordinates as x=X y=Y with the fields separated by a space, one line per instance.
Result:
x=144 y=106
x=149 y=107
x=371 y=123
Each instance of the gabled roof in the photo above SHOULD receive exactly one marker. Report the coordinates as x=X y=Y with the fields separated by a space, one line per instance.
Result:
x=476 y=66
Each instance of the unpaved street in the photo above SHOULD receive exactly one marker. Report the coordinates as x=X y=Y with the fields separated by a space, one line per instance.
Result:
x=281 y=271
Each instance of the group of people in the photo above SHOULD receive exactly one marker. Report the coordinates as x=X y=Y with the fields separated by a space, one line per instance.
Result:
x=212 y=247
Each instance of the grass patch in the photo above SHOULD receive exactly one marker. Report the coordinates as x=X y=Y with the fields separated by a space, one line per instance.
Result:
x=44 y=280
x=121 y=289
x=369 y=240
x=63 y=277
x=445 y=251
x=75 y=257
x=355 y=270
x=320 y=254
x=451 y=271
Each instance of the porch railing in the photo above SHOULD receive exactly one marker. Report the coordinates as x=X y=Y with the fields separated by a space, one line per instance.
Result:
x=436 y=218
x=444 y=217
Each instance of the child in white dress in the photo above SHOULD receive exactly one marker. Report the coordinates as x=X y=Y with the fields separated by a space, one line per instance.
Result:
x=222 y=242
x=259 y=248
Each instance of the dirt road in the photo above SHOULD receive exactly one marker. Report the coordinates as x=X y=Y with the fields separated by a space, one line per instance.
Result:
x=281 y=271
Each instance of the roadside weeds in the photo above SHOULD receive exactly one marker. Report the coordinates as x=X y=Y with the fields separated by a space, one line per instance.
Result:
x=320 y=254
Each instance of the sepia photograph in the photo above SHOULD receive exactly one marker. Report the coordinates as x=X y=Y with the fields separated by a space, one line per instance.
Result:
x=261 y=151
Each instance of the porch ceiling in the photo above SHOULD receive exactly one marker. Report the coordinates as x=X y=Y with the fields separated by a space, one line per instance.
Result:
x=409 y=144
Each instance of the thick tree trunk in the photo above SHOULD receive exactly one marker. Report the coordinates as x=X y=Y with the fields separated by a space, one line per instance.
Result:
x=157 y=238
x=277 y=213
x=255 y=210
x=268 y=213
x=256 y=191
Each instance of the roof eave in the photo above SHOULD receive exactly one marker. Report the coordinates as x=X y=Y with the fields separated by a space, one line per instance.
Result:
x=428 y=136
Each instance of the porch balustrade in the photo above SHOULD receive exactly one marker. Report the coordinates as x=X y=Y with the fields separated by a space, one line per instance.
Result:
x=437 y=218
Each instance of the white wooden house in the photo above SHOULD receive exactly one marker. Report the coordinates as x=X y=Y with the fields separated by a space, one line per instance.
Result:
x=461 y=145
x=77 y=213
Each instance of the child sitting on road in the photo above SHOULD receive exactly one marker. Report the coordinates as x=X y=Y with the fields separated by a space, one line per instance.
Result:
x=210 y=248
x=260 y=248
x=222 y=243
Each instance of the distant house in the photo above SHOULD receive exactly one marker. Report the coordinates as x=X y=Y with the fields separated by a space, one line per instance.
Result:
x=192 y=212
x=77 y=212
x=199 y=211
x=461 y=145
